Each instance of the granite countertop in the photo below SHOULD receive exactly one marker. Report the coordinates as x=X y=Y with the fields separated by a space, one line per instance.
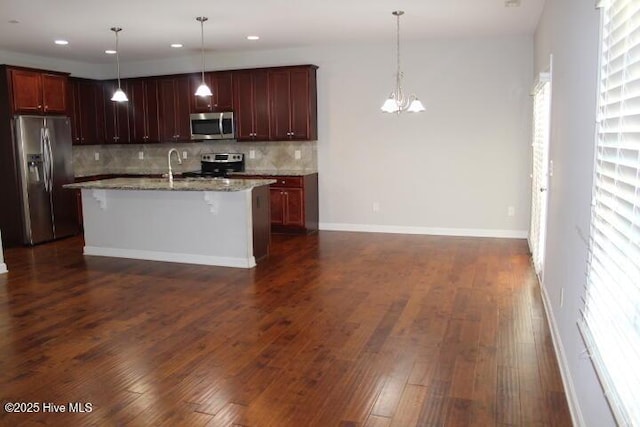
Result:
x=145 y=174
x=279 y=172
x=178 y=184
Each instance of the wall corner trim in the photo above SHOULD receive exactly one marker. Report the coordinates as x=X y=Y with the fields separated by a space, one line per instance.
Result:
x=567 y=381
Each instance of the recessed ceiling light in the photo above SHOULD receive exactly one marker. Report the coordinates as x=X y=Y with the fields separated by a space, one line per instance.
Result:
x=61 y=42
x=110 y=52
x=511 y=3
x=176 y=45
x=14 y=21
x=253 y=37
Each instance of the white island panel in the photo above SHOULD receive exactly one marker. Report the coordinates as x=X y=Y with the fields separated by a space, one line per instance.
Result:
x=197 y=227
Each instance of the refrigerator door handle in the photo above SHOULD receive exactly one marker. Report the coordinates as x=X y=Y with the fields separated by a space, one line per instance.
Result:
x=45 y=158
x=47 y=161
x=50 y=154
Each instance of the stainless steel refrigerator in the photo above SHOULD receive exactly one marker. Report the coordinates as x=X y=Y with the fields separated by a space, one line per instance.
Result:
x=44 y=165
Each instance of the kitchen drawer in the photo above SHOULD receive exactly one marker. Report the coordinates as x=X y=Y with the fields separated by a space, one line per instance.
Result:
x=287 y=181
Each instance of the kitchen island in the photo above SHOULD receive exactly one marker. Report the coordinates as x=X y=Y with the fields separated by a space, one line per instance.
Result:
x=223 y=222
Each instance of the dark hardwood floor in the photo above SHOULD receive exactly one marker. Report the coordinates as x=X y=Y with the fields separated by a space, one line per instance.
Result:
x=334 y=329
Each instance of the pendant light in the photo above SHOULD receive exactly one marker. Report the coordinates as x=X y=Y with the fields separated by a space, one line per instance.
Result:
x=397 y=101
x=203 y=90
x=118 y=95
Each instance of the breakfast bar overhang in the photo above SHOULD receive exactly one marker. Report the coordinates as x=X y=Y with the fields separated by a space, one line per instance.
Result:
x=222 y=222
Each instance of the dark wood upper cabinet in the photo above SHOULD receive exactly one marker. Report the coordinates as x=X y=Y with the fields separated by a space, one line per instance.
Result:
x=174 y=102
x=251 y=104
x=221 y=85
x=293 y=109
x=87 y=118
x=37 y=92
x=144 y=126
x=269 y=104
x=54 y=93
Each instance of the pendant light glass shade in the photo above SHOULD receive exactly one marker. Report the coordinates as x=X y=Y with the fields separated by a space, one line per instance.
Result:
x=203 y=90
x=118 y=95
x=397 y=101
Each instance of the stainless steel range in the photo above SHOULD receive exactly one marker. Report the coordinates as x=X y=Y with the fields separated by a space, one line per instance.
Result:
x=216 y=165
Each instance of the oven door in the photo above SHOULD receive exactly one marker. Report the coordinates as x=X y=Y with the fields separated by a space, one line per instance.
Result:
x=212 y=126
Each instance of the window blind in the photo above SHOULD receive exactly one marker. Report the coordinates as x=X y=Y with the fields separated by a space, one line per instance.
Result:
x=610 y=321
x=539 y=175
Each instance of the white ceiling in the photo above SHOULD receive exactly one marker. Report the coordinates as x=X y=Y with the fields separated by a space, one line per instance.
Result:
x=150 y=26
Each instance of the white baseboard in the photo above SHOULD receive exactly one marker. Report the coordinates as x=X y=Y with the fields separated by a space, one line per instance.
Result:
x=3 y=268
x=171 y=257
x=572 y=398
x=399 y=229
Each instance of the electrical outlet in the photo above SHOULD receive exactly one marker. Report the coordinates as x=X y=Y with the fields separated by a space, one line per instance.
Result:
x=511 y=211
x=185 y=153
x=96 y=156
x=376 y=206
x=140 y=155
x=298 y=154
x=561 y=297
x=252 y=154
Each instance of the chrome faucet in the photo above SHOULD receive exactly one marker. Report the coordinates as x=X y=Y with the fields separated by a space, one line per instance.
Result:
x=173 y=150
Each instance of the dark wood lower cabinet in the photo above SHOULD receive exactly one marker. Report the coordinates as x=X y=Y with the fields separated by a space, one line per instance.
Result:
x=294 y=202
x=287 y=207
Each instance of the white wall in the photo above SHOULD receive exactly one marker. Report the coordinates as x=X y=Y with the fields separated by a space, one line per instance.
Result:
x=453 y=169
x=569 y=31
x=3 y=266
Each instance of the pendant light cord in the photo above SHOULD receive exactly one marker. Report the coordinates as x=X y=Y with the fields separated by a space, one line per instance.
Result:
x=398 y=54
x=117 y=30
x=202 y=19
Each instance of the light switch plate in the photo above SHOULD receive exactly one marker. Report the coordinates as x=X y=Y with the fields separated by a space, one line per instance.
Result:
x=96 y=156
x=185 y=154
x=140 y=155
x=252 y=154
x=297 y=154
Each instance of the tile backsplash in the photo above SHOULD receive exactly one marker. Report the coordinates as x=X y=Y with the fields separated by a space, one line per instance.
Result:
x=152 y=158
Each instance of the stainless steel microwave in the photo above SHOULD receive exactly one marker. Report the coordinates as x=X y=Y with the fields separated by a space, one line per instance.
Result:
x=205 y=126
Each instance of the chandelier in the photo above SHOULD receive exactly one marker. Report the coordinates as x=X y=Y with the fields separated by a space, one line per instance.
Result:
x=398 y=102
